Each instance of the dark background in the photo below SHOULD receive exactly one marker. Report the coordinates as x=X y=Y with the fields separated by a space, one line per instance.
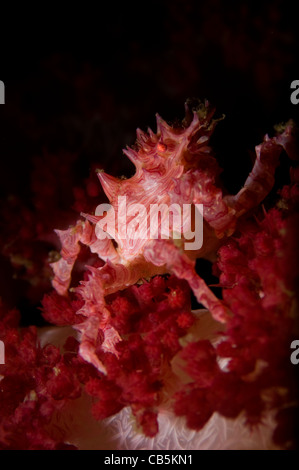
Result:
x=78 y=85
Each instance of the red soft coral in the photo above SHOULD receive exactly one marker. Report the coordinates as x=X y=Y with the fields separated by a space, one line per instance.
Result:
x=151 y=328
x=259 y=290
x=36 y=383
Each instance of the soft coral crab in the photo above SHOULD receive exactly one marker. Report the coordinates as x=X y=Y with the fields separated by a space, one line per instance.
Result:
x=173 y=166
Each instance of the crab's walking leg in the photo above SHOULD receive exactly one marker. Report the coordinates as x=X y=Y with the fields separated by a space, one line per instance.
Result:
x=101 y=282
x=164 y=252
x=95 y=308
x=82 y=232
x=89 y=330
x=261 y=179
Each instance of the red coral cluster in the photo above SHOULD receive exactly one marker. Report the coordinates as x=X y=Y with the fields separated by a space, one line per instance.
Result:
x=259 y=273
x=151 y=326
x=36 y=382
x=150 y=317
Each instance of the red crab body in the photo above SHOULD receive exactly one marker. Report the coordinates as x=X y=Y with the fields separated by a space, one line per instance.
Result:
x=175 y=166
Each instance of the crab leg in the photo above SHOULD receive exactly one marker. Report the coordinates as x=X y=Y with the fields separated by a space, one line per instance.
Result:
x=164 y=252
x=102 y=282
x=82 y=232
x=261 y=179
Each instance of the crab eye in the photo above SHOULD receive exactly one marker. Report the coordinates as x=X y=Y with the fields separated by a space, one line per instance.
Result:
x=161 y=147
